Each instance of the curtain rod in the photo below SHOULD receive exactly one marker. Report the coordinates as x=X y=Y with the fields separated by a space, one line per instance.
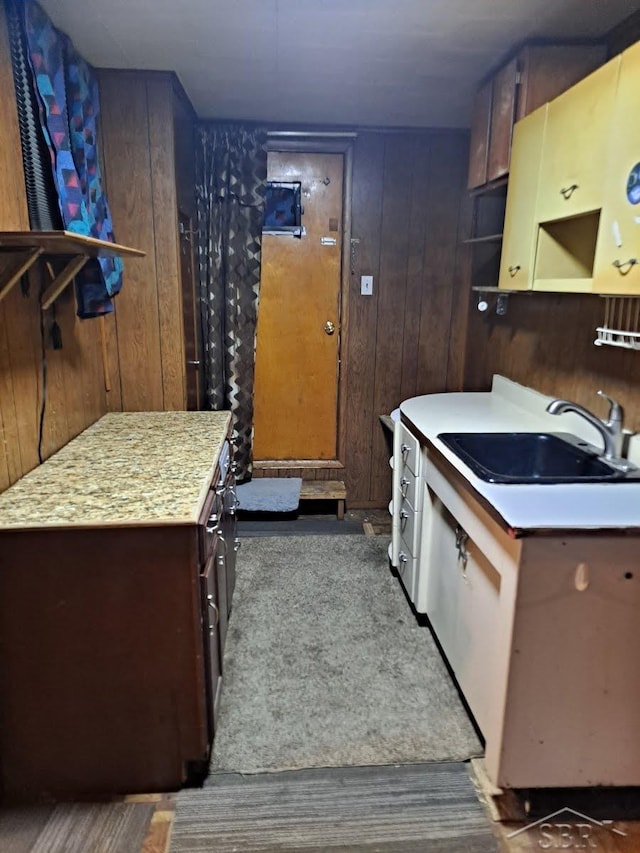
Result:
x=312 y=134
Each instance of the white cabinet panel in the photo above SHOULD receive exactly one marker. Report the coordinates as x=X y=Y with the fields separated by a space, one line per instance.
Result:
x=464 y=600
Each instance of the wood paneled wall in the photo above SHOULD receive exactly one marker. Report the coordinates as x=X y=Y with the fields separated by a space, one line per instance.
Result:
x=408 y=194
x=140 y=169
x=76 y=393
x=546 y=342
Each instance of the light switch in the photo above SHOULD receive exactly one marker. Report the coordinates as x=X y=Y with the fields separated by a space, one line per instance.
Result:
x=366 y=285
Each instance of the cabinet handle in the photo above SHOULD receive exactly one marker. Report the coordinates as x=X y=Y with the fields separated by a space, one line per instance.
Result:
x=514 y=270
x=461 y=545
x=620 y=265
x=236 y=544
x=404 y=487
x=212 y=605
x=567 y=192
x=404 y=449
x=404 y=515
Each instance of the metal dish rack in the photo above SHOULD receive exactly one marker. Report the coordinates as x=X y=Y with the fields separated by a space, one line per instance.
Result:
x=621 y=327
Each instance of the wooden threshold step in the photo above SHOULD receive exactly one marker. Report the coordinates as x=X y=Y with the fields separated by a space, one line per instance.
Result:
x=325 y=490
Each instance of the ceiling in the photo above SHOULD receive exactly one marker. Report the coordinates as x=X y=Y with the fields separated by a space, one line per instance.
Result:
x=412 y=63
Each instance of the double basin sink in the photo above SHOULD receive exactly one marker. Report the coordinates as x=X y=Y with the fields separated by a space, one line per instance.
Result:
x=542 y=457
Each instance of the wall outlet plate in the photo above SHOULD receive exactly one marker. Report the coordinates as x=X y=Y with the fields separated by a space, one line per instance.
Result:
x=366 y=285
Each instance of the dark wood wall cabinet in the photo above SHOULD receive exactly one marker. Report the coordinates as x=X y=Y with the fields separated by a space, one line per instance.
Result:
x=116 y=576
x=535 y=74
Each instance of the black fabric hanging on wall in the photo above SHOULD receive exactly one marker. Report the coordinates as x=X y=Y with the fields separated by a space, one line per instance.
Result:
x=42 y=198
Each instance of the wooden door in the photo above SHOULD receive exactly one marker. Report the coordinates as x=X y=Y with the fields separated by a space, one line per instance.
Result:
x=480 y=129
x=503 y=109
x=298 y=333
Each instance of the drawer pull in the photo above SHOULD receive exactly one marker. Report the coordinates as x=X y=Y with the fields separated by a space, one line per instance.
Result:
x=514 y=270
x=567 y=192
x=211 y=603
x=404 y=515
x=404 y=487
x=236 y=544
x=405 y=450
x=620 y=265
x=402 y=562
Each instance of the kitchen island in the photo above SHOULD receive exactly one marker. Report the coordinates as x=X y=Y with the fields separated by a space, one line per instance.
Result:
x=116 y=576
x=532 y=591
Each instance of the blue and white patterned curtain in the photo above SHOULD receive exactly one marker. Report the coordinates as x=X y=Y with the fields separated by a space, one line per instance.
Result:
x=231 y=175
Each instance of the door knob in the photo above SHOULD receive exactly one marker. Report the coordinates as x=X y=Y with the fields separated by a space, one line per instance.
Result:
x=329 y=327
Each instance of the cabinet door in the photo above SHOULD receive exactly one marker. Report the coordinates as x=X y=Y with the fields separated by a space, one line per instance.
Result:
x=480 y=126
x=520 y=227
x=619 y=233
x=548 y=70
x=575 y=143
x=463 y=608
x=503 y=108
x=210 y=632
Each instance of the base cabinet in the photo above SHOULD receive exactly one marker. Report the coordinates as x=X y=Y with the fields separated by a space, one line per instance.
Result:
x=111 y=653
x=541 y=633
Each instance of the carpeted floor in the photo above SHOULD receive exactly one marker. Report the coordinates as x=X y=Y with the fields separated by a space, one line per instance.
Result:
x=325 y=665
x=409 y=809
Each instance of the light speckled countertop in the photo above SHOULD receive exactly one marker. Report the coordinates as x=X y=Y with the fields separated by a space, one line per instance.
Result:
x=129 y=468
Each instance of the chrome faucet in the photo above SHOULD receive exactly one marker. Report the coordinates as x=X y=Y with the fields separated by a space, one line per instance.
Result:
x=610 y=430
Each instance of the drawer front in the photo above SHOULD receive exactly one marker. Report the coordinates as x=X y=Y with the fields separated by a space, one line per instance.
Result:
x=410 y=522
x=409 y=450
x=407 y=566
x=208 y=525
x=407 y=488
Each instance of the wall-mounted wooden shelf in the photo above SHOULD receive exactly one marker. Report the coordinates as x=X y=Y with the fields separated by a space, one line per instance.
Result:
x=31 y=245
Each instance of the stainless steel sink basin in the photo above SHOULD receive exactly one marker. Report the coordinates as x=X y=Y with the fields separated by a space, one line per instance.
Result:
x=526 y=457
